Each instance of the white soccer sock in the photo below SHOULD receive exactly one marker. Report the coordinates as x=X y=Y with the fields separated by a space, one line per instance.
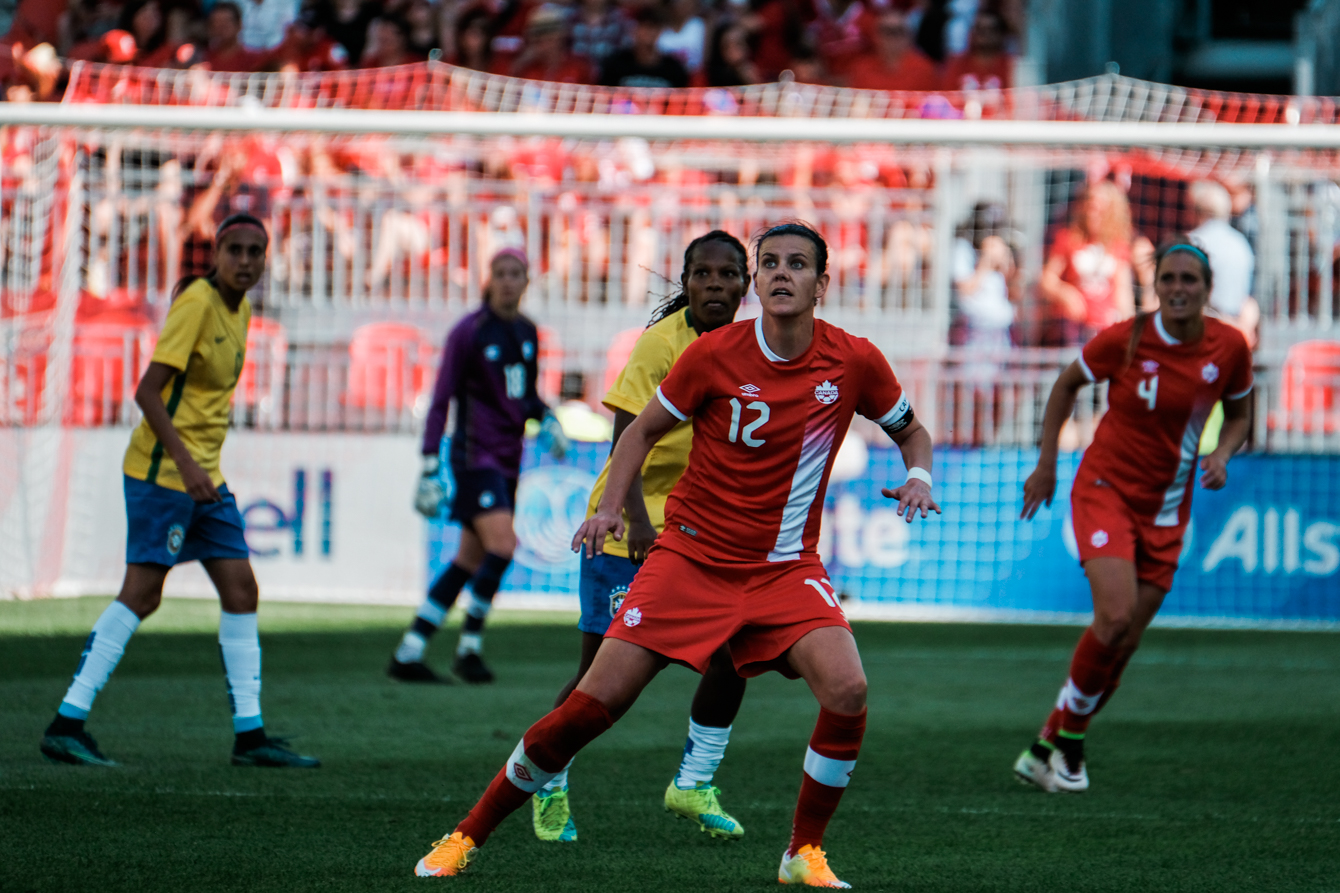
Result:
x=525 y=774
x=103 y=650
x=431 y=612
x=557 y=783
x=471 y=643
x=703 y=750
x=240 y=648
x=411 y=648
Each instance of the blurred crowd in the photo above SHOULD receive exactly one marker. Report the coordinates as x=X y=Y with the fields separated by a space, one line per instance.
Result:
x=1098 y=267
x=867 y=44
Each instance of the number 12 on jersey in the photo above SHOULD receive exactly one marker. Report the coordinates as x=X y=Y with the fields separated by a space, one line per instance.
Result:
x=747 y=435
x=1148 y=391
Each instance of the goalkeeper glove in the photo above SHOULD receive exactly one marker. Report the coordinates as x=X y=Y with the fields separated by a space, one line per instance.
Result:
x=431 y=494
x=552 y=437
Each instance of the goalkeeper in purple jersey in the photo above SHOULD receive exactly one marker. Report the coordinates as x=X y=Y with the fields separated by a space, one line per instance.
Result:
x=489 y=367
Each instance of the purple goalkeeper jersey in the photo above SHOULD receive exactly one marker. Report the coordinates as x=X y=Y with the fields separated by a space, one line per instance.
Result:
x=489 y=367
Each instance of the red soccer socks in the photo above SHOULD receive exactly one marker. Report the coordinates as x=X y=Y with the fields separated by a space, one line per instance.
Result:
x=828 y=766
x=1095 y=671
x=543 y=751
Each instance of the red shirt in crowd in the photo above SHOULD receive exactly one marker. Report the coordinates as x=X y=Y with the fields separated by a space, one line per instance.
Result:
x=1093 y=269
x=235 y=58
x=913 y=72
x=970 y=72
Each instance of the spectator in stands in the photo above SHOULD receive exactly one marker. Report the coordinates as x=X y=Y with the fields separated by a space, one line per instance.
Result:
x=86 y=23
x=729 y=62
x=685 y=34
x=895 y=64
x=985 y=65
x=473 y=42
x=307 y=47
x=264 y=23
x=841 y=33
x=347 y=23
x=983 y=266
x=1086 y=281
x=546 y=56
x=598 y=30
x=225 y=52
x=421 y=17
x=643 y=64
x=145 y=21
x=776 y=28
x=388 y=44
x=1232 y=260
x=36 y=22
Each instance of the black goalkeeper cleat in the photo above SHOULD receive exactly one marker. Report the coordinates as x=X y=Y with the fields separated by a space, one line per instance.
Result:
x=416 y=671
x=472 y=669
x=78 y=749
x=274 y=754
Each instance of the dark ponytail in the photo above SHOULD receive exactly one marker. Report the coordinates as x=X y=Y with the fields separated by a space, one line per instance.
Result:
x=678 y=300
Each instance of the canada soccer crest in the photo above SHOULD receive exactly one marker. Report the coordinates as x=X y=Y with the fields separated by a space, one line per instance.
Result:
x=1209 y=373
x=826 y=392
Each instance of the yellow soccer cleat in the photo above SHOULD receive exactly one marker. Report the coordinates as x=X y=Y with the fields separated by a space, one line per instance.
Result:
x=809 y=867
x=551 y=817
x=450 y=857
x=701 y=804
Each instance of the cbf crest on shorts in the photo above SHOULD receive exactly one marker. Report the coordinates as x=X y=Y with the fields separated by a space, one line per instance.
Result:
x=617 y=595
x=176 y=536
x=826 y=393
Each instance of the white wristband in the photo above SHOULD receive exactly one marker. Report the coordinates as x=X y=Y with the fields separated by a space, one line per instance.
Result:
x=431 y=463
x=917 y=473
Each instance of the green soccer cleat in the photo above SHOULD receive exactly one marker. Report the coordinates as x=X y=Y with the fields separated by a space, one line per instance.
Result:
x=274 y=754
x=700 y=804
x=552 y=817
x=79 y=749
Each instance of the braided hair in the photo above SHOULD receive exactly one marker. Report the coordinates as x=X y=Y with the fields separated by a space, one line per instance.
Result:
x=678 y=300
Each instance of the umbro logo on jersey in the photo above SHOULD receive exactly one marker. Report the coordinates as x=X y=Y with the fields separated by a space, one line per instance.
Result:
x=520 y=772
x=749 y=390
x=826 y=393
x=1210 y=373
x=632 y=617
x=1150 y=366
x=1099 y=538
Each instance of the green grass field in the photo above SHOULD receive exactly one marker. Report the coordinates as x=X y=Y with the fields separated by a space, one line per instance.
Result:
x=1214 y=769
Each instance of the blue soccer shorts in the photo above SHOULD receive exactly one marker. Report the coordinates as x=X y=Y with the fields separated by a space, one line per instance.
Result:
x=168 y=527
x=603 y=583
x=480 y=490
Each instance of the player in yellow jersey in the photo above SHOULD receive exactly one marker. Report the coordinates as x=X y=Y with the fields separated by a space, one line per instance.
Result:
x=714 y=280
x=178 y=507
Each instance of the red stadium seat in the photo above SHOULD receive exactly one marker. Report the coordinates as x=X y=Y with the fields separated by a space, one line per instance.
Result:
x=109 y=354
x=260 y=387
x=390 y=366
x=1309 y=381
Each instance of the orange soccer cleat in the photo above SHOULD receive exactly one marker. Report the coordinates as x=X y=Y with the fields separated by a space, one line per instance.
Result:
x=450 y=857
x=809 y=867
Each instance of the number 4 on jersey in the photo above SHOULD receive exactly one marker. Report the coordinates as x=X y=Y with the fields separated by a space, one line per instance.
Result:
x=1148 y=390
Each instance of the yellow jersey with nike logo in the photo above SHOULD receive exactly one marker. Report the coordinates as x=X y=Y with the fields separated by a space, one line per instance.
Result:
x=207 y=344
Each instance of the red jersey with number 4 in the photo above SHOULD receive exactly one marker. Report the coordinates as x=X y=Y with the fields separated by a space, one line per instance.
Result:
x=1147 y=444
x=765 y=433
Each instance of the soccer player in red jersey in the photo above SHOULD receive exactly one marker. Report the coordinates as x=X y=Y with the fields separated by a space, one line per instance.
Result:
x=736 y=565
x=1132 y=495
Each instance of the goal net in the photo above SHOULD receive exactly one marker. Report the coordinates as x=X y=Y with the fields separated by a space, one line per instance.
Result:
x=384 y=209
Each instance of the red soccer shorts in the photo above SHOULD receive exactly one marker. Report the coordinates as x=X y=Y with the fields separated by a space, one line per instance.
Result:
x=1105 y=527
x=685 y=609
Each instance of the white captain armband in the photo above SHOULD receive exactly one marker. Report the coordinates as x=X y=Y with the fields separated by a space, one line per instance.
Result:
x=896 y=419
x=917 y=473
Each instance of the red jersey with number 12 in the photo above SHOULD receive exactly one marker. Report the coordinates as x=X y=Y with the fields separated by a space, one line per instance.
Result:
x=765 y=433
x=1147 y=443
